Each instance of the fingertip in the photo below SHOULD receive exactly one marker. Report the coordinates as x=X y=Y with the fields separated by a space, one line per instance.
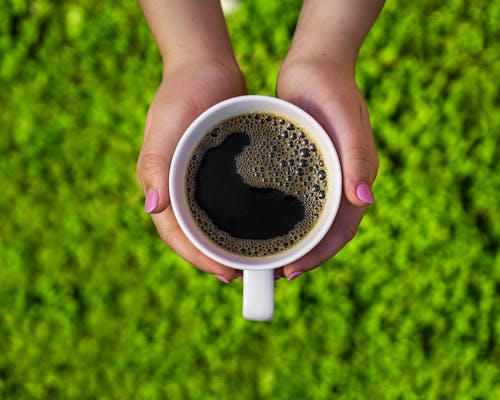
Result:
x=222 y=278
x=152 y=200
x=227 y=276
x=294 y=270
x=156 y=201
x=364 y=193
x=278 y=273
x=359 y=194
x=236 y=274
x=294 y=275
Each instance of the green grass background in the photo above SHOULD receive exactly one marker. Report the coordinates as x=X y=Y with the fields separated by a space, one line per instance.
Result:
x=94 y=306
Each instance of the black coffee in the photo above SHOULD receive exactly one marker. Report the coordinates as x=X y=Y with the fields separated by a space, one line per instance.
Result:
x=256 y=184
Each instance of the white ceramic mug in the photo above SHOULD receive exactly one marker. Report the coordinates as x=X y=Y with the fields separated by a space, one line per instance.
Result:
x=258 y=272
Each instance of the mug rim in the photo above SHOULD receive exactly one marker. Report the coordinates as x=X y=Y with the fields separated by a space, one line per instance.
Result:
x=189 y=141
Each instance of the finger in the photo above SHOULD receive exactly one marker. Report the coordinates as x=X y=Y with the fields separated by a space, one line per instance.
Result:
x=164 y=126
x=351 y=141
x=343 y=121
x=279 y=273
x=342 y=231
x=370 y=141
x=174 y=237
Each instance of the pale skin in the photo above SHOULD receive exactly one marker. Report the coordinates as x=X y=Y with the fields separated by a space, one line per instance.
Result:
x=200 y=69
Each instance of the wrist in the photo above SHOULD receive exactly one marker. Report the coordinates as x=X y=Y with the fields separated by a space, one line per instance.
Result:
x=188 y=29
x=313 y=72
x=333 y=31
x=202 y=63
x=223 y=72
x=338 y=53
x=212 y=51
x=307 y=59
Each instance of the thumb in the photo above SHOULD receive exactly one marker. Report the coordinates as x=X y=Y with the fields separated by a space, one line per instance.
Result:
x=153 y=170
x=153 y=165
x=351 y=133
x=356 y=169
x=360 y=160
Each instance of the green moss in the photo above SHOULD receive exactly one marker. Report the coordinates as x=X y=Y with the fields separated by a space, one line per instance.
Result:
x=93 y=305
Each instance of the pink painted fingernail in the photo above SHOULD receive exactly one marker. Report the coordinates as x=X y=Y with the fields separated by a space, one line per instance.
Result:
x=294 y=275
x=152 y=199
x=364 y=193
x=222 y=278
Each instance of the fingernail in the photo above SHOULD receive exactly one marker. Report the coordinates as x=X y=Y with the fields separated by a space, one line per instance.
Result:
x=152 y=200
x=364 y=193
x=278 y=275
x=222 y=278
x=294 y=275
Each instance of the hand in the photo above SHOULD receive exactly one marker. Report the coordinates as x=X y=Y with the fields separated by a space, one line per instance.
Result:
x=328 y=92
x=187 y=90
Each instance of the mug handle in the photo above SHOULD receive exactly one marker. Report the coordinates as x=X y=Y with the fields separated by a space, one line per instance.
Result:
x=258 y=295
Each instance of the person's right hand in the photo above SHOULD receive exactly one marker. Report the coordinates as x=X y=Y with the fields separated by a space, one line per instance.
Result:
x=188 y=88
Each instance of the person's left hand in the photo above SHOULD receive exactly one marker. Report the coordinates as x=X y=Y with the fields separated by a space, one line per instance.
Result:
x=328 y=92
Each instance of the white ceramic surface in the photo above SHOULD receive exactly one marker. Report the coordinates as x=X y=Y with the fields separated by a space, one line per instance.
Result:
x=258 y=293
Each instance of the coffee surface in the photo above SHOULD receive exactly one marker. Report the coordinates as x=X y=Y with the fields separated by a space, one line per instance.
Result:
x=256 y=184
x=241 y=210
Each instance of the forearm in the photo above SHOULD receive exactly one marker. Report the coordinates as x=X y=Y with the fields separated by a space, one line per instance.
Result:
x=187 y=29
x=334 y=30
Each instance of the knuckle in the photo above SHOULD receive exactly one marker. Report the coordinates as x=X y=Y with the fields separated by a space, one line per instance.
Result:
x=359 y=154
x=363 y=163
x=148 y=164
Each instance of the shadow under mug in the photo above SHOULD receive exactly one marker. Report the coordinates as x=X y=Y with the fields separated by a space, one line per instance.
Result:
x=258 y=272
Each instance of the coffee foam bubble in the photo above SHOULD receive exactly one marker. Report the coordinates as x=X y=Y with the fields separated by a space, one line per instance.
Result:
x=280 y=156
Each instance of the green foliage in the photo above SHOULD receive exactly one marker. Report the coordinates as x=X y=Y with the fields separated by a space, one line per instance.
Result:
x=92 y=305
